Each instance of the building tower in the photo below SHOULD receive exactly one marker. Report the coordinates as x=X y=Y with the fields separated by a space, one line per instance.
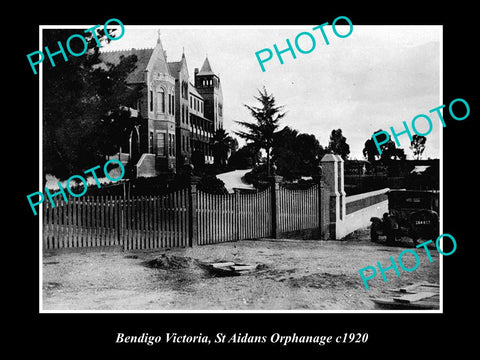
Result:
x=160 y=115
x=208 y=85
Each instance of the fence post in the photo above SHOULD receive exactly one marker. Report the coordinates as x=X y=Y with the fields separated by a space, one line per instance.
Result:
x=323 y=205
x=237 y=216
x=332 y=166
x=119 y=204
x=192 y=211
x=275 y=181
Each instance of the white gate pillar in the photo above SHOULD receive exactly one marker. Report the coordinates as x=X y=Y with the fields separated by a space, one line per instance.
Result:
x=333 y=170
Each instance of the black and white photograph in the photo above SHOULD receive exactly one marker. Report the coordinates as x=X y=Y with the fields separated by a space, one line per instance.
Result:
x=274 y=185
x=224 y=187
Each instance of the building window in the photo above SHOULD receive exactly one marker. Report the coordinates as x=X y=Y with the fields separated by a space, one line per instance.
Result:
x=161 y=144
x=151 y=100
x=172 y=104
x=185 y=90
x=171 y=144
x=161 y=101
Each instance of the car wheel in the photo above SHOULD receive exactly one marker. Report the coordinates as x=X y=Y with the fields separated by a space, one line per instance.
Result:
x=373 y=234
x=390 y=238
x=415 y=240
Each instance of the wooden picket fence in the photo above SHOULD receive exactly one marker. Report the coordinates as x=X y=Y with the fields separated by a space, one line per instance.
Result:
x=179 y=219
x=156 y=222
x=84 y=222
x=298 y=209
x=237 y=216
x=145 y=222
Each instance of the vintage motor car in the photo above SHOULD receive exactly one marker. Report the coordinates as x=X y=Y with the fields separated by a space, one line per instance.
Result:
x=412 y=213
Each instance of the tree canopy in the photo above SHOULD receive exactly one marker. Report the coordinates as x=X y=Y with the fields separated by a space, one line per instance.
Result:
x=261 y=131
x=296 y=154
x=417 y=145
x=244 y=158
x=84 y=107
x=222 y=143
x=338 y=144
x=389 y=151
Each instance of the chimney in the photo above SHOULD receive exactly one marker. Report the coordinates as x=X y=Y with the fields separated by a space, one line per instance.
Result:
x=195 y=77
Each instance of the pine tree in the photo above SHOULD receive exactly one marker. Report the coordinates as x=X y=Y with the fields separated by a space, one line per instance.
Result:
x=267 y=117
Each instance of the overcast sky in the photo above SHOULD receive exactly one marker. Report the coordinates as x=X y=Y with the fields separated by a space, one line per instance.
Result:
x=377 y=77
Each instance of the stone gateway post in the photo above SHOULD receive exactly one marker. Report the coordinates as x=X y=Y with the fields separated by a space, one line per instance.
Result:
x=332 y=168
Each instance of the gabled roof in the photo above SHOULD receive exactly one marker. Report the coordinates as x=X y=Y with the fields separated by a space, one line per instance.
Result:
x=143 y=57
x=206 y=68
x=234 y=180
x=194 y=91
x=158 y=60
x=419 y=169
x=174 y=68
x=151 y=59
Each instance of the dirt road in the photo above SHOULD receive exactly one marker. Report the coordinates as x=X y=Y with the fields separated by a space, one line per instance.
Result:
x=295 y=275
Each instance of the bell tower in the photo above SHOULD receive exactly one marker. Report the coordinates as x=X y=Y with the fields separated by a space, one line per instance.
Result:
x=208 y=85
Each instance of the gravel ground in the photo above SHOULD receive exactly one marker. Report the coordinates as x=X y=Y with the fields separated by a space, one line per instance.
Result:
x=295 y=275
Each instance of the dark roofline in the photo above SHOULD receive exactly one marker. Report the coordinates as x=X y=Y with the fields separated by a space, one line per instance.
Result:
x=124 y=50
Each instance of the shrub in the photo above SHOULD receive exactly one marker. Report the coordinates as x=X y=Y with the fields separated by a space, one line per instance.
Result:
x=212 y=185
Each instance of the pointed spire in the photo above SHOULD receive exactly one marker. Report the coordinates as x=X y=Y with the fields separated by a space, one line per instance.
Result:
x=183 y=54
x=158 y=60
x=206 y=68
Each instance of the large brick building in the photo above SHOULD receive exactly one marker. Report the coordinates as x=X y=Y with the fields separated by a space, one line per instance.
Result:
x=177 y=118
